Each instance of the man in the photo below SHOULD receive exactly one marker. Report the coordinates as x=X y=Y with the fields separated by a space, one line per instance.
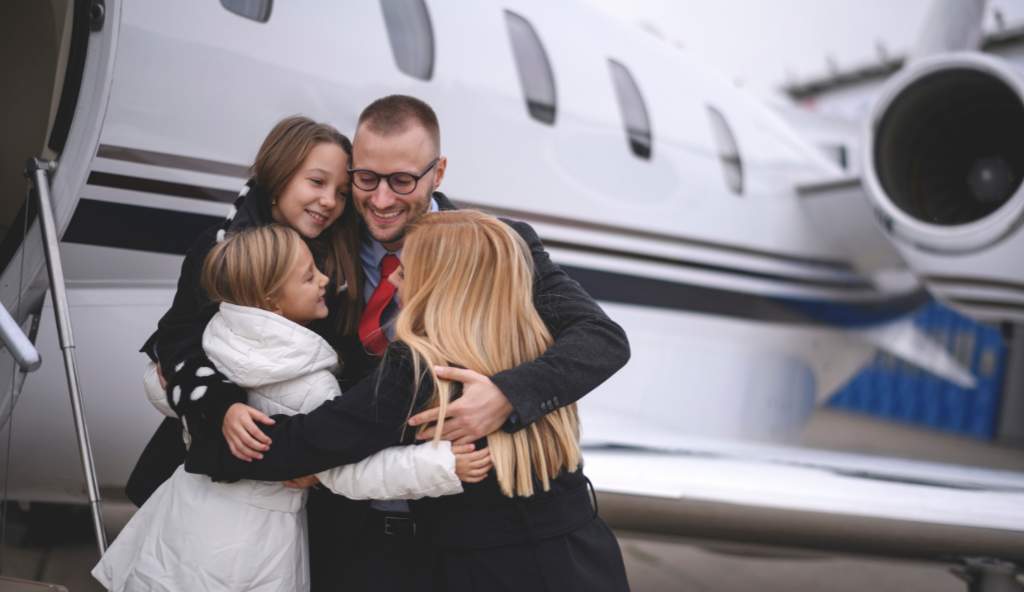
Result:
x=397 y=167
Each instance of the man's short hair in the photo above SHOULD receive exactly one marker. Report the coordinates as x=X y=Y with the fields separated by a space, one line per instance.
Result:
x=394 y=113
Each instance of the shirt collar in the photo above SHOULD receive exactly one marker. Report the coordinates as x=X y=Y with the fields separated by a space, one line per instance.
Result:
x=371 y=251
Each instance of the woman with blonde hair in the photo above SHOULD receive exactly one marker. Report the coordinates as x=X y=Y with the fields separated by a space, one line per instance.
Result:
x=466 y=291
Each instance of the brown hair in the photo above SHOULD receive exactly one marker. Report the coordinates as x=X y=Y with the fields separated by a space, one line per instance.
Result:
x=393 y=114
x=467 y=300
x=282 y=153
x=248 y=268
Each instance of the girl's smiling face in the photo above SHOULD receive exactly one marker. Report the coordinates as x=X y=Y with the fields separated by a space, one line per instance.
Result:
x=301 y=297
x=315 y=196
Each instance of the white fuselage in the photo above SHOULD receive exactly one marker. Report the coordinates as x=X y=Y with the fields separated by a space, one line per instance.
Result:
x=718 y=292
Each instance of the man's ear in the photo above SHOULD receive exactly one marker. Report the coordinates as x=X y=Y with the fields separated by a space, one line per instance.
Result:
x=442 y=164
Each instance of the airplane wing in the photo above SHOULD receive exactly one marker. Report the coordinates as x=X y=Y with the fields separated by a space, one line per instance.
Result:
x=817 y=501
x=658 y=482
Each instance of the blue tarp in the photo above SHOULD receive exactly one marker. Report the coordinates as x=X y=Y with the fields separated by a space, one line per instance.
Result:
x=892 y=389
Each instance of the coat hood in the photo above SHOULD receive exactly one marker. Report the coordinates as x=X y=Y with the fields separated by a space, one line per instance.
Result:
x=253 y=347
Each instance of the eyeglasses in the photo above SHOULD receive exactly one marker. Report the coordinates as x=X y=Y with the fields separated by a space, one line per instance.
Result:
x=400 y=183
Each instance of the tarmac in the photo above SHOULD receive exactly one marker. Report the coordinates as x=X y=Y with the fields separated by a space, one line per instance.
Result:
x=54 y=544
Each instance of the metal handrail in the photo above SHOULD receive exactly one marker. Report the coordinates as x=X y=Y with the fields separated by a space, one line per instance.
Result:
x=38 y=171
x=16 y=342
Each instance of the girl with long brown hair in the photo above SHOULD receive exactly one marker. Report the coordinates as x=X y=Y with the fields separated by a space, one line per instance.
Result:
x=300 y=180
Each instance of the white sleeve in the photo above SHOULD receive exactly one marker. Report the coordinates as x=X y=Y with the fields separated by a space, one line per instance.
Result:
x=399 y=472
x=154 y=392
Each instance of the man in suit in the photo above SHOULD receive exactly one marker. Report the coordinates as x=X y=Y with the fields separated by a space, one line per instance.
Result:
x=397 y=169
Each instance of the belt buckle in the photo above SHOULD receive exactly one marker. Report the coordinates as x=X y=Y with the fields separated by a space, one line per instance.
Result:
x=390 y=522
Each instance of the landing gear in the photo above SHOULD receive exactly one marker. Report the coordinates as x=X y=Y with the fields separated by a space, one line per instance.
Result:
x=983 y=574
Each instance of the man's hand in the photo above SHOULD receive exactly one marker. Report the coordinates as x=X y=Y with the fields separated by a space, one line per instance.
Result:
x=302 y=482
x=244 y=437
x=471 y=467
x=481 y=410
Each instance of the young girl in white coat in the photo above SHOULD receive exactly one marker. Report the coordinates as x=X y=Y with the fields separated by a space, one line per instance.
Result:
x=196 y=534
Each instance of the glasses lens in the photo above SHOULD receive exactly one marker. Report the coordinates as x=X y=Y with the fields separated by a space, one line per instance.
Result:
x=365 y=180
x=402 y=182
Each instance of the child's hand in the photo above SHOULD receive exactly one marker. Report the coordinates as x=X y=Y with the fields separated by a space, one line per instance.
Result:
x=302 y=482
x=471 y=467
x=244 y=437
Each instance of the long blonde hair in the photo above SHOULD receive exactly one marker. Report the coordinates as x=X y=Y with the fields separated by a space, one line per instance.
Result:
x=249 y=268
x=467 y=300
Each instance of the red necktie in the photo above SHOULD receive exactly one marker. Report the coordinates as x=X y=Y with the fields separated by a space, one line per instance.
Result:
x=370 y=333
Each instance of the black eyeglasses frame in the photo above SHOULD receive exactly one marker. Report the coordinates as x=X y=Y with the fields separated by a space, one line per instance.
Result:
x=415 y=178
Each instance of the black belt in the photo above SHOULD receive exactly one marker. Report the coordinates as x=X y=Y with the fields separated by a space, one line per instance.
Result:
x=391 y=525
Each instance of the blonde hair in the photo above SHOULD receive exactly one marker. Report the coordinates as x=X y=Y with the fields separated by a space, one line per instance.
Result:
x=249 y=268
x=467 y=300
x=282 y=153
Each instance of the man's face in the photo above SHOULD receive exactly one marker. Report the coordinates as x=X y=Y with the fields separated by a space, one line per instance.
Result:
x=386 y=213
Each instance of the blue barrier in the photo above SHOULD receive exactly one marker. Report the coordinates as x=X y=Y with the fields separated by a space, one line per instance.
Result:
x=893 y=389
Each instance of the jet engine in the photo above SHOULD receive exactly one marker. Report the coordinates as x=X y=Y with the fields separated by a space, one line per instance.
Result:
x=944 y=166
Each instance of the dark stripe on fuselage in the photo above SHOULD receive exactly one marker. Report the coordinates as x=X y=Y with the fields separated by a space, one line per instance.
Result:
x=774 y=277
x=950 y=281
x=192 y=191
x=217 y=167
x=136 y=228
x=172 y=161
x=533 y=217
x=141 y=228
x=161 y=187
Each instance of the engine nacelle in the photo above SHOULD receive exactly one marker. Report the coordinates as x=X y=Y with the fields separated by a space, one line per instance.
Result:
x=944 y=165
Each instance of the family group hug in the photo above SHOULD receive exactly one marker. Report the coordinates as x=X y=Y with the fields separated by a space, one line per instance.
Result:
x=367 y=388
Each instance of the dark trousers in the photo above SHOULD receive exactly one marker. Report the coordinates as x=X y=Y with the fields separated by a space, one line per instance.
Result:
x=353 y=548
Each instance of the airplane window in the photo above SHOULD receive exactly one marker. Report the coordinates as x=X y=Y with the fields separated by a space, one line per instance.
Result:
x=728 y=151
x=411 y=35
x=634 y=112
x=535 y=74
x=257 y=10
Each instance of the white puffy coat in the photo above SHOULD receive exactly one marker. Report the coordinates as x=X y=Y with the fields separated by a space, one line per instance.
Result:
x=195 y=534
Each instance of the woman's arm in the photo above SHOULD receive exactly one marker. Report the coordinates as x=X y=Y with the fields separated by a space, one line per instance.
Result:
x=368 y=418
x=399 y=472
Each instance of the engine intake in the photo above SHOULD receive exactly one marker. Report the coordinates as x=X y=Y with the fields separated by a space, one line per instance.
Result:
x=944 y=169
x=947 y=150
